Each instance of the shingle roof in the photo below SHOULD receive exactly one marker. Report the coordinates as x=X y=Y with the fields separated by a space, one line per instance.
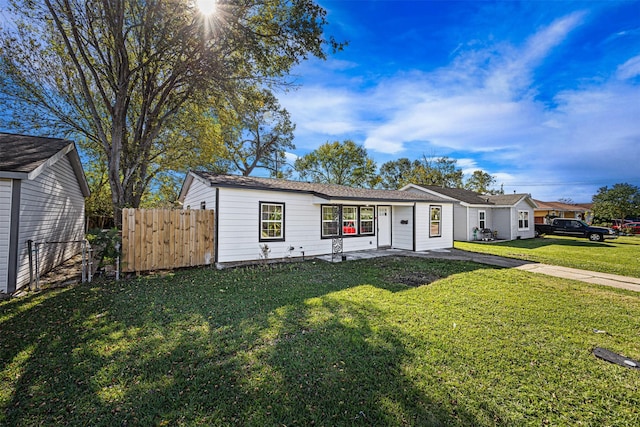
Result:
x=466 y=196
x=559 y=206
x=326 y=191
x=22 y=153
x=473 y=198
x=506 y=199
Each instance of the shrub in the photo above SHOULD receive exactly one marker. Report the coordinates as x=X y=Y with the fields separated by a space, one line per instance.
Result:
x=106 y=245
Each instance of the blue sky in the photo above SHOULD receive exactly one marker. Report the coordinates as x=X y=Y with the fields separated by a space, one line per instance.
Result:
x=544 y=95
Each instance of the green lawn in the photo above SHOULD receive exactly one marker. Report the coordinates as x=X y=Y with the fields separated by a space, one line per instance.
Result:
x=325 y=344
x=619 y=256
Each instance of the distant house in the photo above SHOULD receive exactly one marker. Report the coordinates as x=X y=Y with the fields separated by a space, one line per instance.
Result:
x=549 y=210
x=508 y=216
x=294 y=219
x=42 y=191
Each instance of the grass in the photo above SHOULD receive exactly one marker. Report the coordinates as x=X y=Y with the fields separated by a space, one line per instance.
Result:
x=619 y=256
x=325 y=344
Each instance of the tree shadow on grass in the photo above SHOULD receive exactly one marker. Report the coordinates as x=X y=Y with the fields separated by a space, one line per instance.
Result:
x=551 y=241
x=348 y=369
x=204 y=347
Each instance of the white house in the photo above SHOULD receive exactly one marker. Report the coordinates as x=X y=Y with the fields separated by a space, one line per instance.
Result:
x=509 y=216
x=284 y=218
x=42 y=191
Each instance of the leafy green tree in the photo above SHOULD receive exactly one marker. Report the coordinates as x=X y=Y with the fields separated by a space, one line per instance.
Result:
x=343 y=163
x=165 y=192
x=98 y=208
x=134 y=80
x=440 y=171
x=396 y=174
x=617 y=202
x=480 y=182
x=258 y=134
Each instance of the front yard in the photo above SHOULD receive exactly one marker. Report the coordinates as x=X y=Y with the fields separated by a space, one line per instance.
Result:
x=356 y=343
x=617 y=256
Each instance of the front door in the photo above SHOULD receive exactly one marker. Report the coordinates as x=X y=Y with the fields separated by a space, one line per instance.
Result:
x=384 y=226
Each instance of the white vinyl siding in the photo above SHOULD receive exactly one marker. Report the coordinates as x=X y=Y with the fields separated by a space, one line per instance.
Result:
x=5 y=228
x=462 y=223
x=473 y=219
x=238 y=222
x=402 y=227
x=522 y=233
x=508 y=219
x=238 y=225
x=51 y=210
x=199 y=192
x=502 y=222
x=423 y=223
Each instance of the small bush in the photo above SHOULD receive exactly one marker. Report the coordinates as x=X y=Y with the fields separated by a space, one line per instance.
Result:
x=106 y=245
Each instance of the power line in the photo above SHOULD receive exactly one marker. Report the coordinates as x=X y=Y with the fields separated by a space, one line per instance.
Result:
x=552 y=184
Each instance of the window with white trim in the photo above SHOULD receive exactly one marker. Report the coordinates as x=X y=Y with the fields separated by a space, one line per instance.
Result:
x=271 y=221
x=523 y=220
x=482 y=220
x=366 y=220
x=435 y=221
x=354 y=220
x=329 y=221
x=350 y=220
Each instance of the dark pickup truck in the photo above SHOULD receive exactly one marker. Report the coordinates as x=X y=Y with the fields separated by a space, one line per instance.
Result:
x=575 y=228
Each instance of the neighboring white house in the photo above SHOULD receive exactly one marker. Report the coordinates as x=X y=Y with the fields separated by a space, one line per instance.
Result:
x=509 y=216
x=295 y=219
x=42 y=191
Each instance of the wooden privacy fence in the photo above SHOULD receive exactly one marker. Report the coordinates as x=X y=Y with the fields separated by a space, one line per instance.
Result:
x=163 y=239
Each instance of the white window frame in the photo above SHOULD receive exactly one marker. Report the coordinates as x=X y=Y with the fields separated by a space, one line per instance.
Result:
x=435 y=221
x=482 y=220
x=367 y=221
x=329 y=209
x=264 y=221
x=351 y=216
x=350 y=219
x=523 y=220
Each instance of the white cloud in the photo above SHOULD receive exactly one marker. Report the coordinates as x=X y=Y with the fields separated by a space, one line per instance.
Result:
x=321 y=111
x=485 y=103
x=468 y=163
x=474 y=122
x=290 y=157
x=629 y=69
x=482 y=102
x=515 y=66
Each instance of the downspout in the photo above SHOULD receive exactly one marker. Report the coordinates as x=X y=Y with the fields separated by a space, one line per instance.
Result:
x=14 y=234
x=414 y=227
x=216 y=226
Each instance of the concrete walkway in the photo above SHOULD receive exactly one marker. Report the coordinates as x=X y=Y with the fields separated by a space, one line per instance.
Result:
x=613 y=280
